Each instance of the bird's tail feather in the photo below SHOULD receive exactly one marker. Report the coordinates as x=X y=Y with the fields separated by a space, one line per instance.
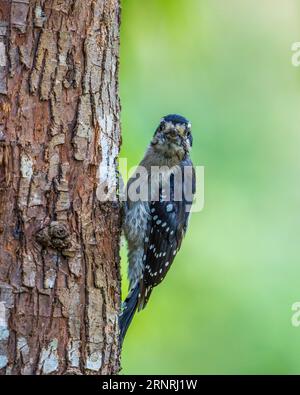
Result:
x=129 y=307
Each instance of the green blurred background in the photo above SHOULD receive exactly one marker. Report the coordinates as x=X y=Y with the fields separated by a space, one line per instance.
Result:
x=226 y=65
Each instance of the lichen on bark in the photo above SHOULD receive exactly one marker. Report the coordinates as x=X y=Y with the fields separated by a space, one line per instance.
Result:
x=59 y=141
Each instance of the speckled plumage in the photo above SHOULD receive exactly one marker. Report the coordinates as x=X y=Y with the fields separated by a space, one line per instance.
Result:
x=135 y=229
x=154 y=229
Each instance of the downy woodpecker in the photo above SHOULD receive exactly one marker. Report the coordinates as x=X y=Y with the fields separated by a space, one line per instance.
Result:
x=159 y=199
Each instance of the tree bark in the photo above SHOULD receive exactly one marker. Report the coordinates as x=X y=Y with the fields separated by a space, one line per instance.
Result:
x=59 y=141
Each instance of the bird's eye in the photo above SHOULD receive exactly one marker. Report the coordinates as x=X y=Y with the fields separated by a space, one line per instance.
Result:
x=162 y=125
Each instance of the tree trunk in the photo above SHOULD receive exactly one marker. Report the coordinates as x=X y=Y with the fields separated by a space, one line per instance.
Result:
x=59 y=140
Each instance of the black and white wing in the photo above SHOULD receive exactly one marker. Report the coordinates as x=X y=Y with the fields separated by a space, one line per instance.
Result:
x=167 y=227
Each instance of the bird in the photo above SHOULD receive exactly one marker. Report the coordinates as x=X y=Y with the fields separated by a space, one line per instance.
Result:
x=156 y=212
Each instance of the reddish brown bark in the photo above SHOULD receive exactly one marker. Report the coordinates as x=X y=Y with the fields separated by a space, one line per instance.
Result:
x=59 y=246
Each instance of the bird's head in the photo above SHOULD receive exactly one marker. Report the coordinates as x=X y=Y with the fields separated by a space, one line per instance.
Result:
x=173 y=137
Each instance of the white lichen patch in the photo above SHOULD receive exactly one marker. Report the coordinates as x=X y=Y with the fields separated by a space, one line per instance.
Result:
x=7 y=298
x=3 y=361
x=23 y=353
x=105 y=148
x=49 y=359
x=74 y=353
x=94 y=361
x=4 y=333
x=29 y=271
x=3 y=320
x=22 y=345
x=36 y=199
x=50 y=277
x=75 y=264
x=26 y=166
x=23 y=349
x=62 y=59
x=112 y=166
x=109 y=152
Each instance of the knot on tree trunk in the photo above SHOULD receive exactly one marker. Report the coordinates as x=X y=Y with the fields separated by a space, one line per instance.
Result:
x=56 y=235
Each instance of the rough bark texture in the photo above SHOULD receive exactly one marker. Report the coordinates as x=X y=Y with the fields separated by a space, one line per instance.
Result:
x=59 y=139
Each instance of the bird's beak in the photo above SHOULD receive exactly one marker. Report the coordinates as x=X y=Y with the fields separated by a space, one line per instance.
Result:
x=172 y=133
x=180 y=130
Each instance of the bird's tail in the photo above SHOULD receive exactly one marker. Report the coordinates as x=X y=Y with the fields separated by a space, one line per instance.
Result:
x=129 y=307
